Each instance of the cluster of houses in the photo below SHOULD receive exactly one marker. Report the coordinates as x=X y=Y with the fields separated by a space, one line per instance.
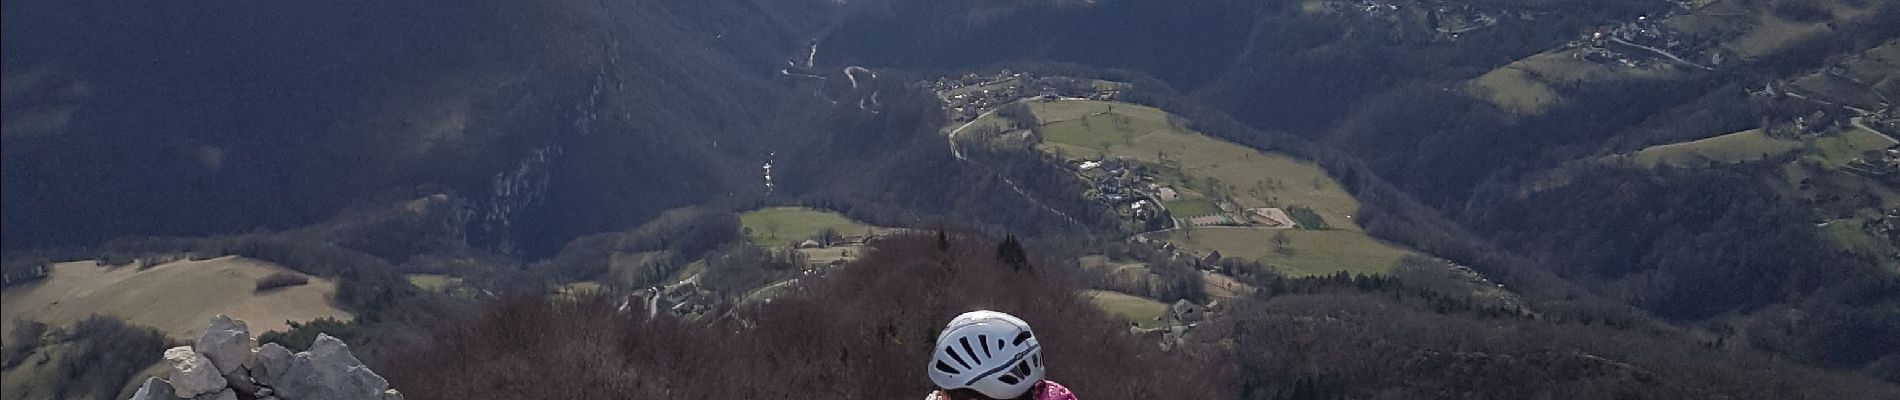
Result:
x=1883 y=166
x=1369 y=8
x=1885 y=120
x=969 y=96
x=1635 y=44
x=1177 y=323
x=685 y=299
x=1816 y=123
x=1444 y=19
x=1458 y=18
x=824 y=240
x=1130 y=188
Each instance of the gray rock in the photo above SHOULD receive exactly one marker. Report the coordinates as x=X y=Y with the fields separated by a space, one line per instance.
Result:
x=271 y=361
x=328 y=371
x=392 y=394
x=227 y=343
x=226 y=394
x=192 y=374
x=241 y=380
x=154 y=389
x=250 y=361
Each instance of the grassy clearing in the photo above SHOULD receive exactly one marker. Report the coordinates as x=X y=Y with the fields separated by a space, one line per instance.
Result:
x=1513 y=89
x=1118 y=272
x=778 y=226
x=1568 y=65
x=1223 y=287
x=178 y=298
x=1221 y=169
x=1771 y=34
x=1314 y=252
x=1762 y=32
x=1741 y=146
x=1836 y=89
x=1098 y=130
x=1185 y=208
x=1249 y=177
x=1850 y=235
x=1141 y=311
x=433 y=282
x=1064 y=110
x=1837 y=150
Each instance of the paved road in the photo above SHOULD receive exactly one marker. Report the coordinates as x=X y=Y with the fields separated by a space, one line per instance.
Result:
x=1663 y=53
x=1856 y=121
x=954 y=150
x=854 y=78
x=958 y=153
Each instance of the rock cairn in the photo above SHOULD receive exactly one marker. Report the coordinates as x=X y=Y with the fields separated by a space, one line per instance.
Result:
x=227 y=364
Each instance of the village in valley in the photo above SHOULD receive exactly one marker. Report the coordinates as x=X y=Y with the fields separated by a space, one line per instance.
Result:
x=968 y=96
x=1184 y=198
x=1438 y=20
x=1141 y=192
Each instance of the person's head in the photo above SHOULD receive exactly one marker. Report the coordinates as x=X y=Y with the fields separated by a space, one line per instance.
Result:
x=988 y=354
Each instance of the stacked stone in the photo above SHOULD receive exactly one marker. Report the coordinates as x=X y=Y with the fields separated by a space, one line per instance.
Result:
x=227 y=364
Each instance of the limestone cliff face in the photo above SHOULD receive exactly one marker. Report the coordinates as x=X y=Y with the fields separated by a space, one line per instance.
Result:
x=227 y=364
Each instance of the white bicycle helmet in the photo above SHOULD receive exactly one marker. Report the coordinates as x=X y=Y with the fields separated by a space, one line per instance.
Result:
x=990 y=352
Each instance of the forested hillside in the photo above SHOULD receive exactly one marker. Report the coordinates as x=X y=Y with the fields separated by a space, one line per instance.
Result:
x=1585 y=198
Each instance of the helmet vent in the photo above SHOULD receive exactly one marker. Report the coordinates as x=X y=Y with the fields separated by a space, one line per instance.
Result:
x=980 y=340
x=1008 y=379
x=1021 y=337
x=941 y=366
x=954 y=356
x=966 y=348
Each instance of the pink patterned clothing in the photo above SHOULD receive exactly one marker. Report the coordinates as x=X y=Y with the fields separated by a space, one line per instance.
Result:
x=1050 y=390
x=1044 y=390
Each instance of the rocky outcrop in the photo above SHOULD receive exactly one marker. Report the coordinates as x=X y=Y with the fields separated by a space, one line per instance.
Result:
x=226 y=364
x=270 y=362
x=227 y=343
x=329 y=371
x=154 y=389
x=191 y=373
